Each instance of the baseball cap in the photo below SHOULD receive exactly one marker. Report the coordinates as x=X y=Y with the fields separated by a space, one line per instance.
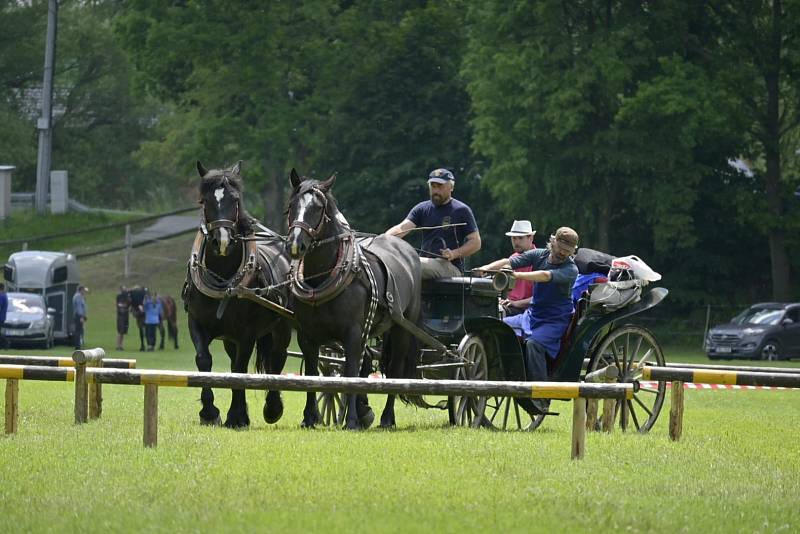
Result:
x=567 y=236
x=441 y=176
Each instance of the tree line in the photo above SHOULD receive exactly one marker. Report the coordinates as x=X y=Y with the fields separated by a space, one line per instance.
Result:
x=663 y=129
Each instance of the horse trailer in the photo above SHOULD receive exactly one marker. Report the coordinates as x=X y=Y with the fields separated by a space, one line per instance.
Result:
x=53 y=275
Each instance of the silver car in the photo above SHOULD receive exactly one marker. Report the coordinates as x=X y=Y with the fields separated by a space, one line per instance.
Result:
x=28 y=321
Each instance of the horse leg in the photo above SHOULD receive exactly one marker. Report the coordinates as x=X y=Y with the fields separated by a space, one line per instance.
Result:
x=140 y=326
x=209 y=414
x=172 y=328
x=271 y=357
x=310 y=351
x=396 y=346
x=365 y=414
x=240 y=356
x=161 y=331
x=352 y=354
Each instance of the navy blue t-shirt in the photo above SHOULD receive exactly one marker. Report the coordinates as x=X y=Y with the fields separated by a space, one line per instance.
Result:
x=426 y=213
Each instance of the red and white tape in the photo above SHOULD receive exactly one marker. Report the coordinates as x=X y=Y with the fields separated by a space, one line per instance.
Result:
x=692 y=385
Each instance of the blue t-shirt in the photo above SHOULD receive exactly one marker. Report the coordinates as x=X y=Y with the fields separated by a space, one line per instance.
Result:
x=427 y=213
x=563 y=274
x=152 y=311
x=3 y=306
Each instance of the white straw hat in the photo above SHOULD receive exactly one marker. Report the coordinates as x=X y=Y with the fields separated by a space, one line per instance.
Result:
x=521 y=228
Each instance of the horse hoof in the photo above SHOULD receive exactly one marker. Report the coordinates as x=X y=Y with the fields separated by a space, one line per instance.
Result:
x=273 y=411
x=367 y=418
x=237 y=425
x=211 y=422
x=306 y=424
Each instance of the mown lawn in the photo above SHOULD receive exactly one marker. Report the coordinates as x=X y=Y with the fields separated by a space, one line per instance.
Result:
x=736 y=469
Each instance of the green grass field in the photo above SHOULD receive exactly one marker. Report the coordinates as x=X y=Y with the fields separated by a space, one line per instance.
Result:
x=736 y=469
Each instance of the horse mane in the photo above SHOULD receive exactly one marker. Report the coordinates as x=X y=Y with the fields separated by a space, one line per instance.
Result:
x=214 y=179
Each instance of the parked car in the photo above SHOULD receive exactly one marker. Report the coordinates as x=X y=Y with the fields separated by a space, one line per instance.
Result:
x=766 y=331
x=28 y=321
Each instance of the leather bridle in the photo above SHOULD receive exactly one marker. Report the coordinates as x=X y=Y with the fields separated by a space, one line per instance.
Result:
x=207 y=226
x=313 y=231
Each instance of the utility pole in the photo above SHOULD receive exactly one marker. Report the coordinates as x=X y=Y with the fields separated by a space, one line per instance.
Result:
x=45 y=122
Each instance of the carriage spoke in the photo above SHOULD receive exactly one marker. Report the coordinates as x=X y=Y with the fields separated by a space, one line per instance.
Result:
x=633 y=415
x=645 y=358
x=613 y=348
x=649 y=390
x=643 y=405
x=635 y=352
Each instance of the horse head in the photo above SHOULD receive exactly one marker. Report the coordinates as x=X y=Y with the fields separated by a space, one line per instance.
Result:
x=311 y=208
x=224 y=217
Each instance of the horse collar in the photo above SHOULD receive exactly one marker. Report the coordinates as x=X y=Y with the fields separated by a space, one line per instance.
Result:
x=212 y=285
x=348 y=263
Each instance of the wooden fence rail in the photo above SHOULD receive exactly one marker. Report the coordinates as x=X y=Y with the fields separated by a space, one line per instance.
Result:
x=153 y=379
x=711 y=375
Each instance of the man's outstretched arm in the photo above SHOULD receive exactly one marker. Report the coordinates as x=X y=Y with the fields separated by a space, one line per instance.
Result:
x=400 y=230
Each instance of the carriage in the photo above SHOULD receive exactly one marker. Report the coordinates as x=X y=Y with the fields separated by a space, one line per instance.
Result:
x=352 y=298
x=464 y=338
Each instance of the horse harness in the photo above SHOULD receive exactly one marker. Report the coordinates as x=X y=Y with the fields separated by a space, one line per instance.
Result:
x=250 y=269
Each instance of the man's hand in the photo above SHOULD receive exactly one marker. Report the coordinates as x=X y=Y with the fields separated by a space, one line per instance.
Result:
x=448 y=254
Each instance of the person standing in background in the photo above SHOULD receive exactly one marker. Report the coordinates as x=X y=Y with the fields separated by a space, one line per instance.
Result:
x=152 y=318
x=79 y=315
x=123 y=311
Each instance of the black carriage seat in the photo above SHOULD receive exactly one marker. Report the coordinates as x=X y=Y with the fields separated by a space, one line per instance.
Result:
x=446 y=302
x=566 y=340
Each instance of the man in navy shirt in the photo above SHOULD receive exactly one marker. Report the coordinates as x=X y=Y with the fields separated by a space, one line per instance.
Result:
x=550 y=312
x=450 y=231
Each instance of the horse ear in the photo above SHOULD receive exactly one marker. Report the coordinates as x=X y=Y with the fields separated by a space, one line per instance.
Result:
x=237 y=169
x=295 y=178
x=202 y=171
x=327 y=184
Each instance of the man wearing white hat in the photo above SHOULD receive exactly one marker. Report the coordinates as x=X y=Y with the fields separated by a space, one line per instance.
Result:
x=519 y=298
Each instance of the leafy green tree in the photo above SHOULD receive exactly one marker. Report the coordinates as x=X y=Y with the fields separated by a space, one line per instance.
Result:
x=759 y=65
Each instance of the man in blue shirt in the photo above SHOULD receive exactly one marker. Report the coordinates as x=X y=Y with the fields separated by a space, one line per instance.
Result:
x=152 y=318
x=79 y=315
x=450 y=231
x=550 y=312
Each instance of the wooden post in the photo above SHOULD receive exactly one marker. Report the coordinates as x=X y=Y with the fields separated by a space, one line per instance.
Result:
x=609 y=415
x=607 y=374
x=96 y=397
x=150 y=415
x=81 y=393
x=12 y=405
x=578 y=428
x=80 y=359
x=591 y=414
x=676 y=412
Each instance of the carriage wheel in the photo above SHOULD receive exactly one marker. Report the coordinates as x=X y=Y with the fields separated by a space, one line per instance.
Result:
x=330 y=405
x=469 y=411
x=503 y=413
x=629 y=348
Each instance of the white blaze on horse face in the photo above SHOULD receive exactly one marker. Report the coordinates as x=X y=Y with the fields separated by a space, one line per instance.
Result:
x=224 y=241
x=301 y=209
x=218 y=194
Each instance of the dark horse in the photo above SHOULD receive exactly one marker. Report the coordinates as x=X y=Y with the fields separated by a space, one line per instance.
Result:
x=232 y=250
x=169 y=316
x=347 y=293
